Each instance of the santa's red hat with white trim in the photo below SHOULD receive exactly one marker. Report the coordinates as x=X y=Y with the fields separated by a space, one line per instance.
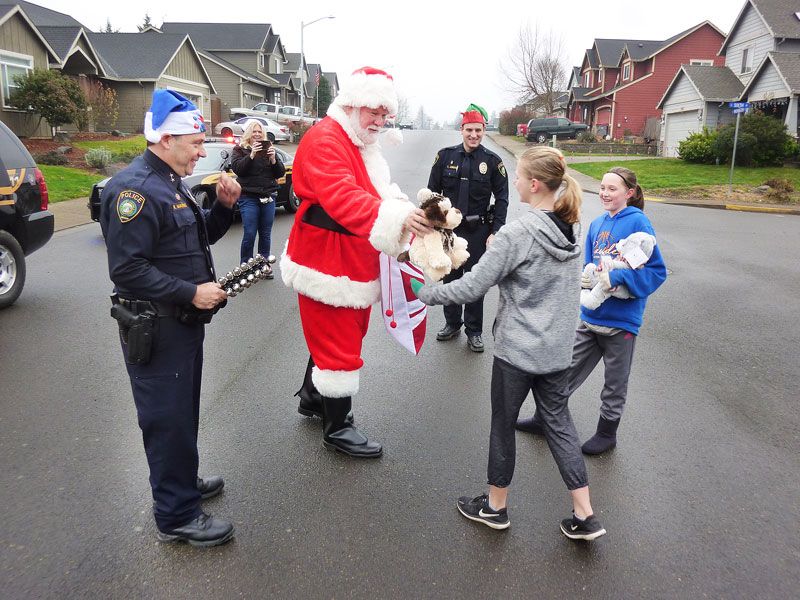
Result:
x=369 y=87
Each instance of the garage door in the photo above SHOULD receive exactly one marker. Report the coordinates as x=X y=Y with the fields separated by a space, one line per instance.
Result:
x=678 y=127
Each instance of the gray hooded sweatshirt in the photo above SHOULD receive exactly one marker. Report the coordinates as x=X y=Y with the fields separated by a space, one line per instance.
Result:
x=538 y=272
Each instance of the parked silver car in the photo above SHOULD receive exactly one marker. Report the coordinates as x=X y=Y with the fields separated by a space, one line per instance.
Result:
x=273 y=131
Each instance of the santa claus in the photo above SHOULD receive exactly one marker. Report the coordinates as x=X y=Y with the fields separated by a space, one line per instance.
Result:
x=350 y=212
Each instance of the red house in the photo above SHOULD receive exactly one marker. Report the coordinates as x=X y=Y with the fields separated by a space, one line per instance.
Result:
x=622 y=81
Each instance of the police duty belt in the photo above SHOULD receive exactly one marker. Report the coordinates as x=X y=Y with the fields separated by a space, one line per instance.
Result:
x=246 y=274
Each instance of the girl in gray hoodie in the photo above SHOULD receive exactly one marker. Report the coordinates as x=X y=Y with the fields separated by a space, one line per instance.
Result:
x=536 y=262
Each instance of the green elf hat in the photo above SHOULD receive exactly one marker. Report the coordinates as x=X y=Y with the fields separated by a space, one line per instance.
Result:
x=474 y=114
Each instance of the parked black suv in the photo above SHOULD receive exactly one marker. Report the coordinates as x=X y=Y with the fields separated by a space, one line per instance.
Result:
x=25 y=223
x=541 y=130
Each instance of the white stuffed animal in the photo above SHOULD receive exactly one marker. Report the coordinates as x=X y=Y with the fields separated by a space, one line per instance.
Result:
x=441 y=251
x=634 y=251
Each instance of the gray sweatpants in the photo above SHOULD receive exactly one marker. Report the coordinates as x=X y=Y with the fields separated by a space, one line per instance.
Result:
x=617 y=354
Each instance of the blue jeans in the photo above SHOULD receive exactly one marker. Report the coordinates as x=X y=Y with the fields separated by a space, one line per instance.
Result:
x=257 y=218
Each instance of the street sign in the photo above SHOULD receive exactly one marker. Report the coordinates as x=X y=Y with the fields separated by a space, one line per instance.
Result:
x=736 y=111
x=739 y=104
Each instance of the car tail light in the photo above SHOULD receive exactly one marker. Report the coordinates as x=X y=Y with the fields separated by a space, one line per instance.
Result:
x=284 y=130
x=230 y=139
x=42 y=189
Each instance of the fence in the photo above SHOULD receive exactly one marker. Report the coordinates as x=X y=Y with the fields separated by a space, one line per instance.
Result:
x=607 y=148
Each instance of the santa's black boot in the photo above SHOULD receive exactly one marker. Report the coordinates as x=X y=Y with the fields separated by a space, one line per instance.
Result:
x=310 y=399
x=605 y=438
x=340 y=435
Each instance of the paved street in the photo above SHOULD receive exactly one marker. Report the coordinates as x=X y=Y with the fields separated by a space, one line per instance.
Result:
x=700 y=498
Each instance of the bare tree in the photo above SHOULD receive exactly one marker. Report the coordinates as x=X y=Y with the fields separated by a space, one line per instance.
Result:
x=535 y=72
x=403 y=109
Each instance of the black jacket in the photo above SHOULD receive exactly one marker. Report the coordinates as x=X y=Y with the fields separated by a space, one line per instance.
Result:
x=256 y=176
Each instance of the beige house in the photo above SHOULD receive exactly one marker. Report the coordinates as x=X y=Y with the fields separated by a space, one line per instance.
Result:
x=22 y=49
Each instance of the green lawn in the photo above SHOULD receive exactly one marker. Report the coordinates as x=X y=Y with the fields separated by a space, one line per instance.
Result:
x=127 y=145
x=65 y=183
x=665 y=173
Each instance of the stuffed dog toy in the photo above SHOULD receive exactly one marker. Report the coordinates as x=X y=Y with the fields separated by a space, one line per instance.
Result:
x=439 y=252
x=636 y=248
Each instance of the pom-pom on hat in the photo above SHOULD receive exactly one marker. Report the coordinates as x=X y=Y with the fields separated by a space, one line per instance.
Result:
x=474 y=114
x=171 y=113
x=369 y=87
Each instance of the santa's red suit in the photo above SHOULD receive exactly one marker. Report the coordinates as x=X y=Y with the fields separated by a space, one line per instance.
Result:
x=337 y=275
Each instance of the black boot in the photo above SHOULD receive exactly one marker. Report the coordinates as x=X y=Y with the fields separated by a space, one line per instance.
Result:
x=532 y=425
x=604 y=439
x=310 y=398
x=339 y=434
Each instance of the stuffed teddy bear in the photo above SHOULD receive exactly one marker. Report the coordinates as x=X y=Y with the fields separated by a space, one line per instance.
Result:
x=441 y=251
x=633 y=251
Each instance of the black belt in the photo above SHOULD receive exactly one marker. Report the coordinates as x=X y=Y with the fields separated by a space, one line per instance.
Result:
x=162 y=309
x=315 y=215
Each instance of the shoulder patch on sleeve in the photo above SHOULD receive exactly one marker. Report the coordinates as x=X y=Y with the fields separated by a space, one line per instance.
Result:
x=436 y=159
x=129 y=205
x=502 y=168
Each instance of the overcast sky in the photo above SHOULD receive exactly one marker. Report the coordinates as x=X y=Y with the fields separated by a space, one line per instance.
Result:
x=442 y=55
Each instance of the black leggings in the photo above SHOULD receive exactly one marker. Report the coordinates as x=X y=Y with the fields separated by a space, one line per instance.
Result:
x=510 y=387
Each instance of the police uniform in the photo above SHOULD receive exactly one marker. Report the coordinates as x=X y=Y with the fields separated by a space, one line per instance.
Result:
x=158 y=243
x=469 y=179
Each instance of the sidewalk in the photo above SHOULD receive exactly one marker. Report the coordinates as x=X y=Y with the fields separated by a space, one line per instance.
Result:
x=591 y=185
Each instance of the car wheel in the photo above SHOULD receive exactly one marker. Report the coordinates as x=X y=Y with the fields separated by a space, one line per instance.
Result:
x=292 y=201
x=226 y=132
x=541 y=138
x=203 y=199
x=271 y=137
x=12 y=269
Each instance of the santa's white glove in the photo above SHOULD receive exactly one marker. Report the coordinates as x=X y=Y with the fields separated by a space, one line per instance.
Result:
x=589 y=276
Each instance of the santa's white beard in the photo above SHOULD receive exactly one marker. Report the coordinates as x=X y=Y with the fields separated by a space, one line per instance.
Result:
x=365 y=135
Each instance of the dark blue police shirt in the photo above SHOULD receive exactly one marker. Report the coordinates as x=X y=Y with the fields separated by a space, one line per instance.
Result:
x=486 y=176
x=158 y=239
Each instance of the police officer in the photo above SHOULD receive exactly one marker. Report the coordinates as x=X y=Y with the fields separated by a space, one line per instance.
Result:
x=159 y=259
x=469 y=174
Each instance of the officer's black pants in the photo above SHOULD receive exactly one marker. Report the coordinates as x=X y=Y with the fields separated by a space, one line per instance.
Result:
x=167 y=396
x=472 y=312
x=510 y=386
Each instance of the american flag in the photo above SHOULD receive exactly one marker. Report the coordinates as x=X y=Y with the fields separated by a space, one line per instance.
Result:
x=316 y=78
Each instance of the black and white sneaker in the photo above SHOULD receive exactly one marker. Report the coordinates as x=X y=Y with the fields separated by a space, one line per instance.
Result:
x=588 y=529
x=477 y=509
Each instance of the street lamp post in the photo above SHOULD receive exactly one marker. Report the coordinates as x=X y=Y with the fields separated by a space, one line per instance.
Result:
x=302 y=61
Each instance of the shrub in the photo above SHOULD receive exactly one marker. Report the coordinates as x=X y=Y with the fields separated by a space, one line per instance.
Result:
x=56 y=97
x=124 y=156
x=587 y=137
x=510 y=118
x=766 y=141
x=98 y=158
x=780 y=190
x=723 y=146
x=698 y=147
x=50 y=158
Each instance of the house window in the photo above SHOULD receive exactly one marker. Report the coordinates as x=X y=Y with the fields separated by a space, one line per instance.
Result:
x=747 y=61
x=626 y=72
x=600 y=76
x=261 y=61
x=11 y=65
x=277 y=66
x=701 y=62
x=587 y=77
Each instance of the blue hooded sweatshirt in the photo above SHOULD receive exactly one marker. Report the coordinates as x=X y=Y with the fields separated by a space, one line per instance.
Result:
x=602 y=238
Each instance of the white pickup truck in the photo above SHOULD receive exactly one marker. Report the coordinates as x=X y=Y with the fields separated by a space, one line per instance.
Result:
x=282 y=114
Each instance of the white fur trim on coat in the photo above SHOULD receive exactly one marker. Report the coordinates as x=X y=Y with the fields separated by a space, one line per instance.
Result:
x=387 y=231
x=329 y=289
x=335 y=384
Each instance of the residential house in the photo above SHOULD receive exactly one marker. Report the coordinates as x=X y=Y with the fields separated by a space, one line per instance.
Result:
x=697 y=97
x=296 y=65
x=623 y=80
x=762 y=52
x=252 y=48
x=32 y=36
x=22 y=49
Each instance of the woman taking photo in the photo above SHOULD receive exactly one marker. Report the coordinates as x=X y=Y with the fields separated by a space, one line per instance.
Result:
x=258 y=167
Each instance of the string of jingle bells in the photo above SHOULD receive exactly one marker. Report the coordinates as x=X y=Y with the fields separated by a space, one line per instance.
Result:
x=246 y=274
